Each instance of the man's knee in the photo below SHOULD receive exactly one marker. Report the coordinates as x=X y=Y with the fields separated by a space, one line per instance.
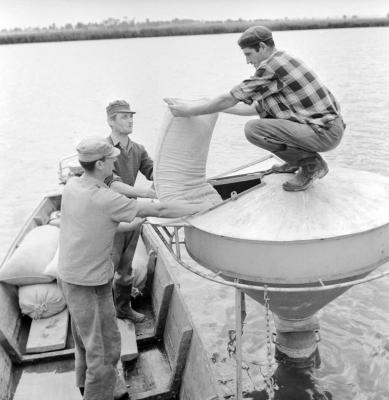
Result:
x=258 y=132
x=253 y=130
x=99 y=371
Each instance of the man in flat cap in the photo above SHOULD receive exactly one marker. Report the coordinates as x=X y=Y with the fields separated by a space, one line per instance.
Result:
x=132 y=158
x=299 y=116
x=90 y=215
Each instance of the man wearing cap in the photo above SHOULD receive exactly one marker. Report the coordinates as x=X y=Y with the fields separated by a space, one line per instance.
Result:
x=90 y=216
x=133 y=158
x=299 y=116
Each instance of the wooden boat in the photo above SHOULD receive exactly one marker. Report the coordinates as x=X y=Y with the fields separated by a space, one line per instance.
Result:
x=171 y=361
x=167 y=341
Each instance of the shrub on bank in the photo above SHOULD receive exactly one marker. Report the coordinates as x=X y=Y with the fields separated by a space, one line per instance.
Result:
x=118 y=30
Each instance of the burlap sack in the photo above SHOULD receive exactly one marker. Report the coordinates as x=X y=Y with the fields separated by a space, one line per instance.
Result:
x=181 y=158
x=41 y=300
x=27 y=264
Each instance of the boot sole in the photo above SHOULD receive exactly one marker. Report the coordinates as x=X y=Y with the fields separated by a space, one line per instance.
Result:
x=298 y=188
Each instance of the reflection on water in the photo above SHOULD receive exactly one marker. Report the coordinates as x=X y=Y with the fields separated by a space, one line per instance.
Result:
x=293 y=384
x=52 y=94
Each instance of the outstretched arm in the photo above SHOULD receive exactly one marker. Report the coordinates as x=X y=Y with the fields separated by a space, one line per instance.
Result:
x=168 y=209
x=130 y=226
x=242 y=109
x=182 y=109
x=131 y=191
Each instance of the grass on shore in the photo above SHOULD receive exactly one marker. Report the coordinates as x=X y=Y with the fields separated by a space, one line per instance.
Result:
x=118 y=30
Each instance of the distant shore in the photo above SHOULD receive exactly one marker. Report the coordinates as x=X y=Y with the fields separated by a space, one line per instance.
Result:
x=116 y=29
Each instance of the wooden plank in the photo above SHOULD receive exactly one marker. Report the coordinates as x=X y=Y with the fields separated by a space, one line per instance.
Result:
x=47 y=381
x=10 y=321
x=11 y=348
x=177 y=322
x=52 y=355
x=48 y=334
x=177 y=340
x=154 y=394
x=161 y=294
x=150 y=371
x=129 y=349
x=180 y=361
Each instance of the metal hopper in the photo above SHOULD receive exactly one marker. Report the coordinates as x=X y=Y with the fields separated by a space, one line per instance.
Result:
x=293 y=252
x=333 y=233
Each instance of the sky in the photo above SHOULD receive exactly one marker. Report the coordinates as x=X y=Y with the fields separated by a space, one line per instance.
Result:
x=32 y=13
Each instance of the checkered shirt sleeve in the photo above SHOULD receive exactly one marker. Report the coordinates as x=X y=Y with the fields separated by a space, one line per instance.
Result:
x=284 y=88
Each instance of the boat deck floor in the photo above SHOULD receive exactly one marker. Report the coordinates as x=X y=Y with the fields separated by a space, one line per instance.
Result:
x=149 y=373
x=46 y=380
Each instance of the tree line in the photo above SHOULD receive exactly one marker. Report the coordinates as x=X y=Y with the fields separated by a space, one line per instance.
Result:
x=113 y=28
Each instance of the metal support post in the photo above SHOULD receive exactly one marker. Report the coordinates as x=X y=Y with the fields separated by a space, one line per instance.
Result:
x=177 y=241
x=238 y=329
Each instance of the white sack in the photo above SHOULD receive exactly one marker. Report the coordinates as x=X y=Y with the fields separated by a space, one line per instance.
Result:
x=181 y=158
x=139 y=265
x=41 y=300
x=52 y=266
x=29 y=260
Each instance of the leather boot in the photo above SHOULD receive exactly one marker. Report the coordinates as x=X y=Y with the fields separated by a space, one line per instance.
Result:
x=120 y=392
x=285 y=168
x=310 y=169
x=122 y=298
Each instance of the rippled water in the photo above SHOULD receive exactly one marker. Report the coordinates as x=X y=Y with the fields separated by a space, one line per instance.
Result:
x=52 y=94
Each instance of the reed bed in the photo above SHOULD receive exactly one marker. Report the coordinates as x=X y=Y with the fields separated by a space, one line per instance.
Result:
x=115 y=29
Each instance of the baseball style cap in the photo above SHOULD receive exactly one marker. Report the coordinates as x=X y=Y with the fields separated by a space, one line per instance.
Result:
x=254 y=35
x=94 y=148
x=118 y=106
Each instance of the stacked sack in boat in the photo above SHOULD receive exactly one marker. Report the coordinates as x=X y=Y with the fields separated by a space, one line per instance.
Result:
x=31 y=268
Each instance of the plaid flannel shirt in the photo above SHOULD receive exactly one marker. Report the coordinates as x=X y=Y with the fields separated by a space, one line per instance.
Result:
x=284 y=88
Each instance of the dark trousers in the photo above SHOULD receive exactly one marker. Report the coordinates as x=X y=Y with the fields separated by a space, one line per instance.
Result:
x=124 y=246
x=291 y=141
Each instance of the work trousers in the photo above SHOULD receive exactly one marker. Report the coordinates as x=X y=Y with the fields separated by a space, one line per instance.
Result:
x=292 y=141
x=123 y=251
x=96 y=338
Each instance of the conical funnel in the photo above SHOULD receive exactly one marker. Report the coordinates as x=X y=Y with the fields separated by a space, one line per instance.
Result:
x=297 y=305
x=336 y=231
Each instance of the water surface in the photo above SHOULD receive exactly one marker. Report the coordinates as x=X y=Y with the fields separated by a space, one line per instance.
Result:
x=52 y=94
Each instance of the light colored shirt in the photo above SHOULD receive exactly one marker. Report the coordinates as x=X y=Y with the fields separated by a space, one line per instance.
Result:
x=90 y=214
